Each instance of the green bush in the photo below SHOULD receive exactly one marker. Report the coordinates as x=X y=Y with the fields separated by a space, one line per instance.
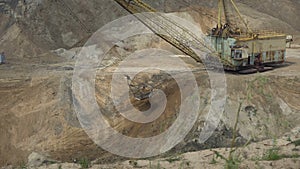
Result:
x=84 y=163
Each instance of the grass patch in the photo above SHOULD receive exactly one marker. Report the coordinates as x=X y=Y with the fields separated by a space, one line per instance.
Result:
x=233 y=163
x=22 y=166
x=84 y=163
x=230 y=163
x=297 y=142
x=173 y=159
x=213 y=160
x=272 y=155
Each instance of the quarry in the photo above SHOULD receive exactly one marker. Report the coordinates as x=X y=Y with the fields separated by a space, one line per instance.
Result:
x=254 y=87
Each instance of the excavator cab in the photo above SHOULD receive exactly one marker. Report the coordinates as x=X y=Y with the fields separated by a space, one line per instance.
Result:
x=239 y=56
x=239 y=53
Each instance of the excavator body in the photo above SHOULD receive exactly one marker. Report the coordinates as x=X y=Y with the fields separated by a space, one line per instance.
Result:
x=248 y=49
x=245 y=53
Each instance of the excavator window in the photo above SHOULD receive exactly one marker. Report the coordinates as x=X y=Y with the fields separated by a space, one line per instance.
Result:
x=237 y=53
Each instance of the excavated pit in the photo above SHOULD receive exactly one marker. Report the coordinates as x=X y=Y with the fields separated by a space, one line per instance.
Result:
x=36 y=105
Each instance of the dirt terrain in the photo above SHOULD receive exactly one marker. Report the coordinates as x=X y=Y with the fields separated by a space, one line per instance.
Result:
x=39 y=116
x=253 y=156
x=42 y=39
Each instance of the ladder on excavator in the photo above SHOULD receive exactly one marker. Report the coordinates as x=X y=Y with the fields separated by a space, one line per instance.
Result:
x=169 y=30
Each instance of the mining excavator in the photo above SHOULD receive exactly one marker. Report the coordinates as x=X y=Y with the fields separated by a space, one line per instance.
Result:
x=240 y=50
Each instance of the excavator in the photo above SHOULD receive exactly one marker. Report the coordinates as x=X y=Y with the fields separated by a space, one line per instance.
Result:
x=239 y=50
